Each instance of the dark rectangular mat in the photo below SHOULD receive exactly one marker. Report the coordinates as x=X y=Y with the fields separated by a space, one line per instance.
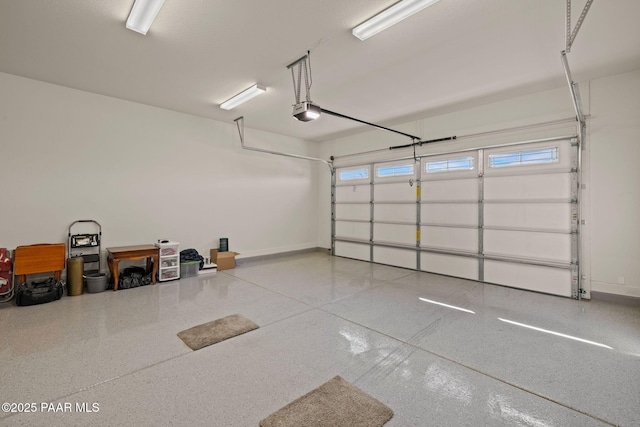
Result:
x=336 y=403
x=218 y=330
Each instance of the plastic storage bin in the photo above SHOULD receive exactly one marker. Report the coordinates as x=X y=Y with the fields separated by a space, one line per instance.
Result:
x=189 y=269
x=166 y=249
x=169 y=274
x=169 y=262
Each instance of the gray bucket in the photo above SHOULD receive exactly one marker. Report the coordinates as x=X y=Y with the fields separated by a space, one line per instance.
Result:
x=96 y=283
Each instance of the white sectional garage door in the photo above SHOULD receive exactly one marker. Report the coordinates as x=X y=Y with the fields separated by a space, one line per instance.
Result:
x=352 y=213
x=504 y=215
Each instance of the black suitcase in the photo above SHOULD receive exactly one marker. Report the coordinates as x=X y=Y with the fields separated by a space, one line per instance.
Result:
x=39 y=292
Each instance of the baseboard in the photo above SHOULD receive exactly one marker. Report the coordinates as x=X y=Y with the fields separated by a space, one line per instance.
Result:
x=615 y=289
x=616 y=299
x=280 y=254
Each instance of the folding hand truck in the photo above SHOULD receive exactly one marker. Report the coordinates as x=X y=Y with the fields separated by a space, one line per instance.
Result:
x=87 y=246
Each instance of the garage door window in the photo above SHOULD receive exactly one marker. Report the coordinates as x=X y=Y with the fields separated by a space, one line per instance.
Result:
x=525 y=157
x=394 y=170
x=449 y=165
x=354 y=174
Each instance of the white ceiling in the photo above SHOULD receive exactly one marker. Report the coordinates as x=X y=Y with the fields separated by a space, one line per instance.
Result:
x=198 y=53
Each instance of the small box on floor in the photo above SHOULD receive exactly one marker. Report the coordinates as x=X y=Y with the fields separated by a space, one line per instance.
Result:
x=224 y=260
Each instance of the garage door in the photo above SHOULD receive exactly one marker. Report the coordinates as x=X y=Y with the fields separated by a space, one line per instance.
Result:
x=530 y=215
x=352 y=212
x=504 y=215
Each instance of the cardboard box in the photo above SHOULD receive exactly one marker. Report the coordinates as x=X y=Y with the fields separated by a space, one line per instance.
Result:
x=224 y=260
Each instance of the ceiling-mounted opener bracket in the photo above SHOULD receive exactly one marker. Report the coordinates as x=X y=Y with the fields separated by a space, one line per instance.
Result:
x=305 y=110
x=571 y=35
x=303 y=65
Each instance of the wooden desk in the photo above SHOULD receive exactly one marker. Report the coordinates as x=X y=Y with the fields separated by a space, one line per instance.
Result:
x=132 y=253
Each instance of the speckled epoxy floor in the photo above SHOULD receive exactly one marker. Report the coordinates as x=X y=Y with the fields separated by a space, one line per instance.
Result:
x=381 y=328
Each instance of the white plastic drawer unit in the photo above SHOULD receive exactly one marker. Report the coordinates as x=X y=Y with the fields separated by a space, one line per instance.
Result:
x=171 y=261
x=169 y=250
x=170 y=273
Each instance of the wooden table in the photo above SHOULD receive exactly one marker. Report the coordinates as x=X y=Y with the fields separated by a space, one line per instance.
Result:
x=132 y=253
x=41 y=258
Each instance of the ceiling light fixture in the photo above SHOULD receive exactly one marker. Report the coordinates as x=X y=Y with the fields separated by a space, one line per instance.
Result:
x=390 y=16
x=243 y=97
x=142 y=15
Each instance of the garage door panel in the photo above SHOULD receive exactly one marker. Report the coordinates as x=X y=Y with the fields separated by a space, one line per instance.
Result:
x=356 y=212
x=393 y=233
x=396 y=192
x=454 y=190
x=450 y=265
x=532 y=245
x=541 y=216
x=353 y=193
x=395 y=212
x=519 y=213
x=397 y=257
x=462 y=239
x=352 y=250
x=528 y=187
x=449 y=214
x=354 y=230
x=531 y=277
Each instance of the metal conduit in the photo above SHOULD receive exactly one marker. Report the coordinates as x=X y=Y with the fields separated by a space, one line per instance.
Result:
x=240 y=125
x=573 y=88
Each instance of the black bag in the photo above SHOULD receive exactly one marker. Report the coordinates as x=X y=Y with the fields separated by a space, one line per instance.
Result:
x=39 y=292
x=133 y=277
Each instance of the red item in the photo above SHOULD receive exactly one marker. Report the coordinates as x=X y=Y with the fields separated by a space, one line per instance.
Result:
x=5 y=272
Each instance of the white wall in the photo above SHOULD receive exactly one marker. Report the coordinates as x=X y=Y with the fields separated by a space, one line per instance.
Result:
x=145 y=173
x=611 y=200
x=615 y=184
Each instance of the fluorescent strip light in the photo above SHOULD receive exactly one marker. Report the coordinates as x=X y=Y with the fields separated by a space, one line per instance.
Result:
x=447 y=305
x=558 y=334
x=142 y=15
x=391 y=16
x=243 y=97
